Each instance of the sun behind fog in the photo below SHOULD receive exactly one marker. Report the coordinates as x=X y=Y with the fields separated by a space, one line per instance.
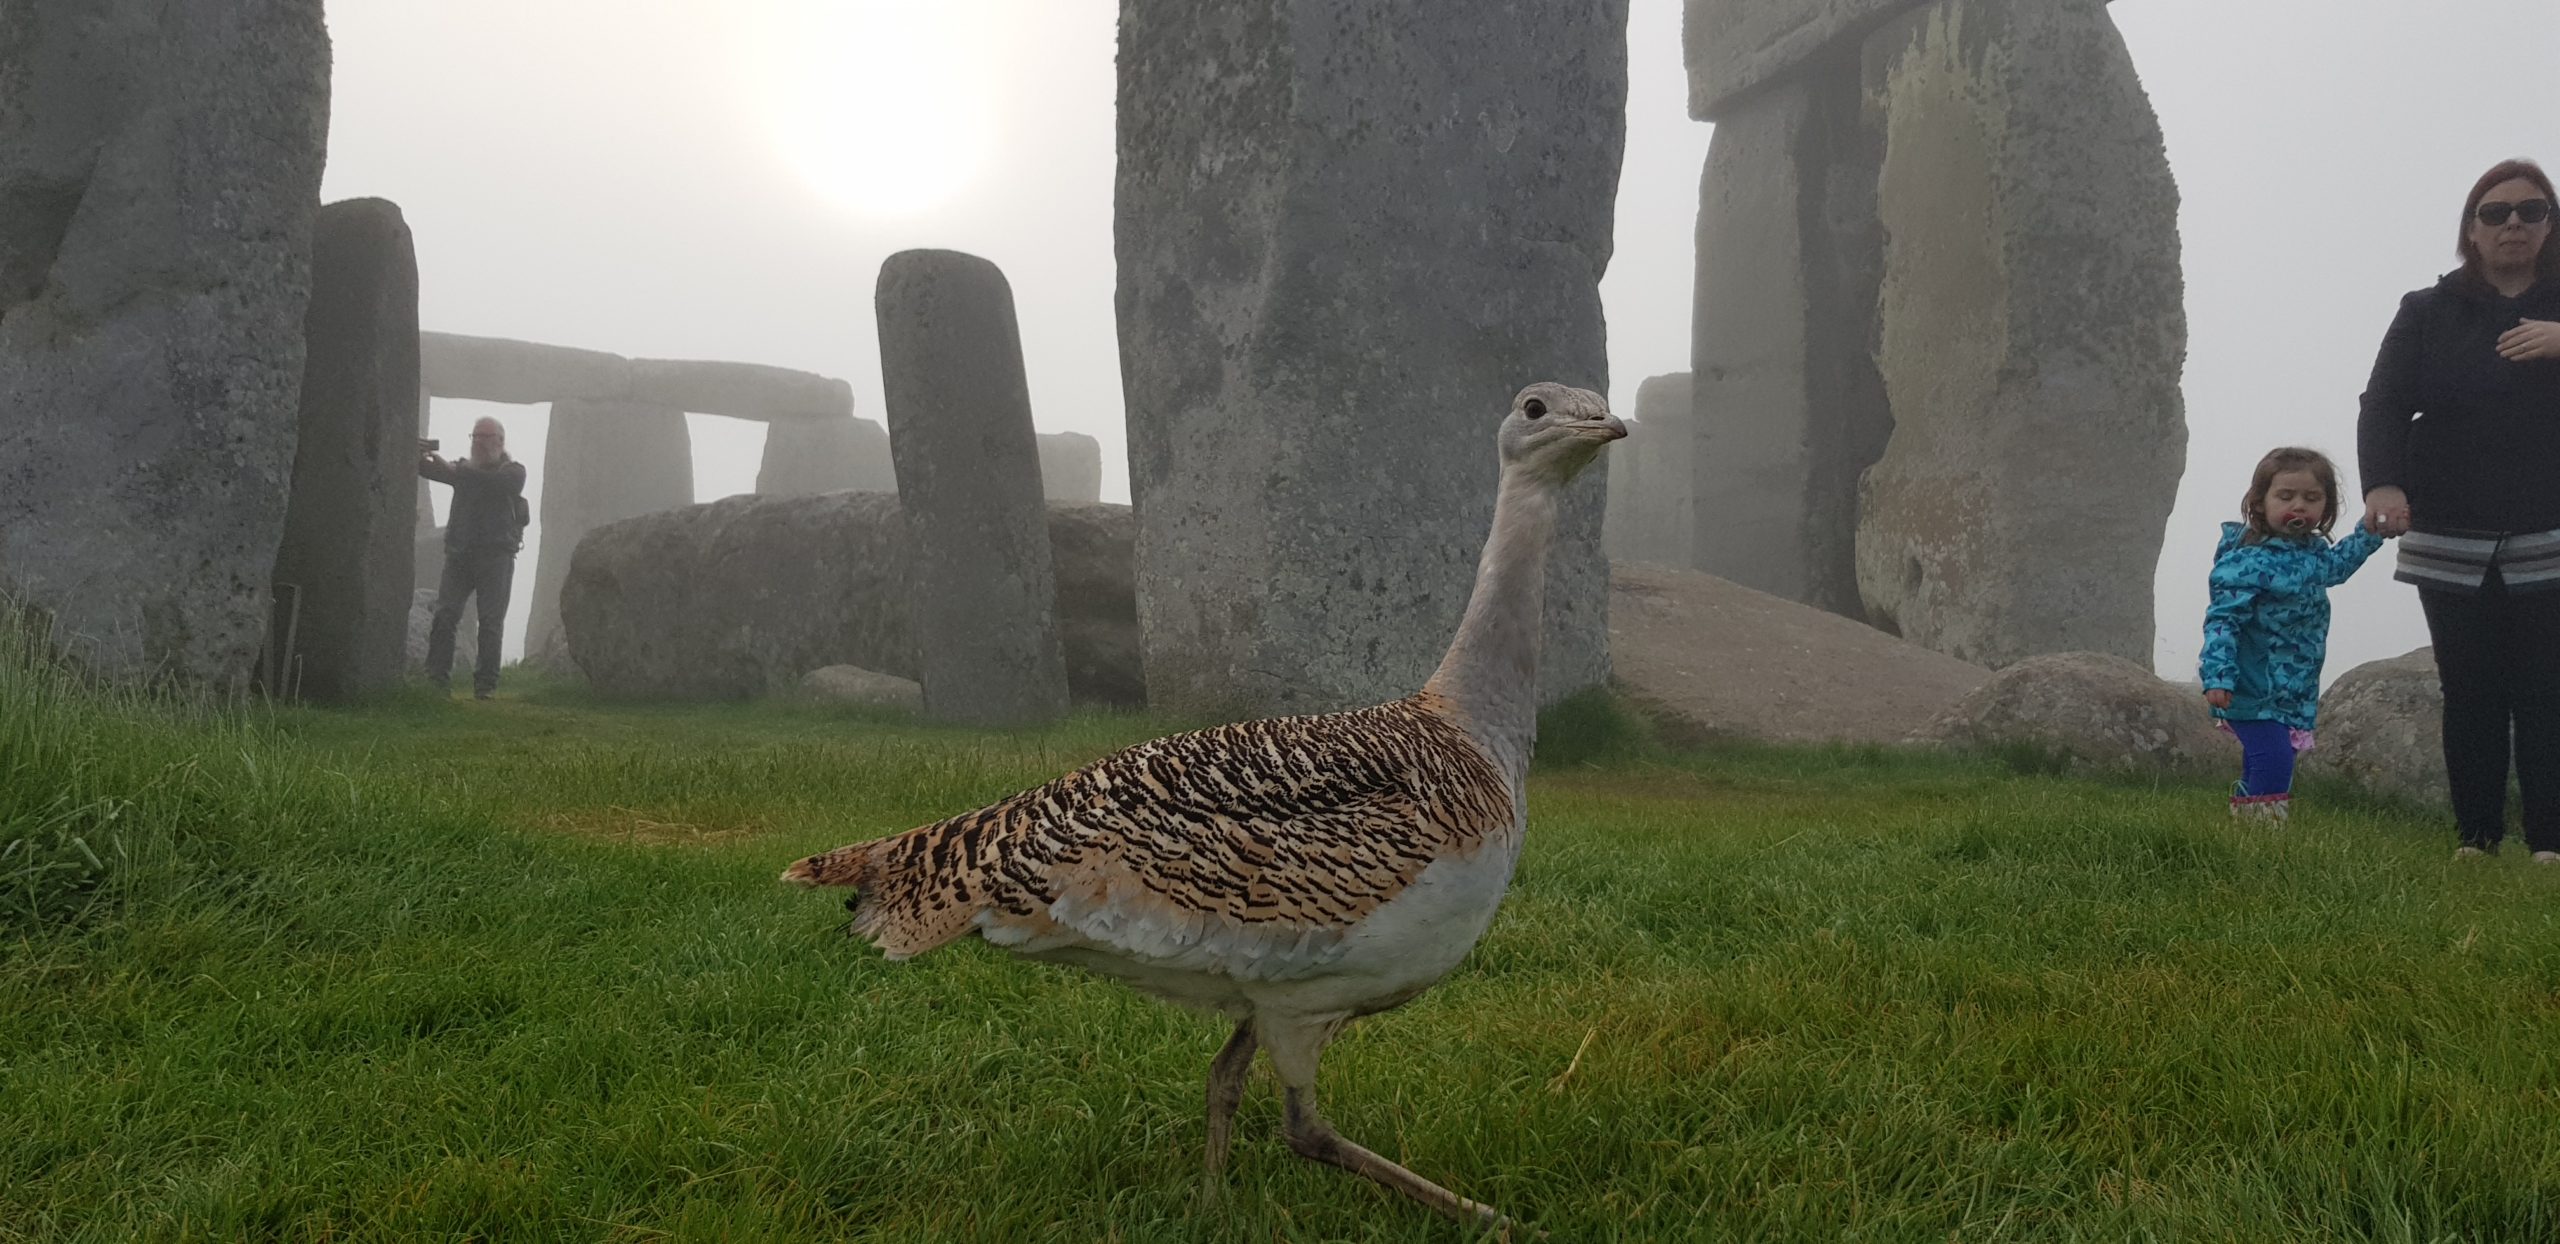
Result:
x=885 y=107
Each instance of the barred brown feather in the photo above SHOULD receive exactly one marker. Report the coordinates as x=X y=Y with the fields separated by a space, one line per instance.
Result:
x=1289 y=828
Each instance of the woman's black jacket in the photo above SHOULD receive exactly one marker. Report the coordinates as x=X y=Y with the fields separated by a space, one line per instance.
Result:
x=2472 y=438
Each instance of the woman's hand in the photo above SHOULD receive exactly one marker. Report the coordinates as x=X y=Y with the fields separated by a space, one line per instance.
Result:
x=2386 y=510
x=2532 y=339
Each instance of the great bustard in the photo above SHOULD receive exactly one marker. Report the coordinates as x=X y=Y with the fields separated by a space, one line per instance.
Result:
x=1292 y=874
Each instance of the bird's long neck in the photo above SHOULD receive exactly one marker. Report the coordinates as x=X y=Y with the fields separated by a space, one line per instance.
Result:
x=1490 y=675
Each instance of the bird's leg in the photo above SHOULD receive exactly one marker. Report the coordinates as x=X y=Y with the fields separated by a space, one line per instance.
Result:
x=1309 y=1136
x=1226 y=1088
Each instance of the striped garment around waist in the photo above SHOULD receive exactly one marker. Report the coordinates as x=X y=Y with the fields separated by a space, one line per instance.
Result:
x=2460 y=561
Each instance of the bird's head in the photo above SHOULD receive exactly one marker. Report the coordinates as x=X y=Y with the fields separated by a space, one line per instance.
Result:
x=1553 y=431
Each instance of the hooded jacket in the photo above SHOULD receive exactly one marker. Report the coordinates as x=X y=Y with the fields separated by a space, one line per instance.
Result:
x=2266 y=631
x=2474 y=439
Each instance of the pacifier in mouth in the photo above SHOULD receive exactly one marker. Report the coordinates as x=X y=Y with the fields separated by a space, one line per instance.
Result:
x=2296 y=524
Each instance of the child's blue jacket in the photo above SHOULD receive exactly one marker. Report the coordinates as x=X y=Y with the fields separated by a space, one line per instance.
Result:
x=2266 y=631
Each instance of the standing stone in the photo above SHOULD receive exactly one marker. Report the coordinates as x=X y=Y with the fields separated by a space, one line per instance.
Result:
x=159 y=168
x=602 y=461
x=2031 y=331
x=350 y=526
x=1070 y=467
x=986 y=613
x=1789 y=408
x=1665 y=516
x=1652 y=512
x=1619 y=537
x=1348 y=232
x=803 y=457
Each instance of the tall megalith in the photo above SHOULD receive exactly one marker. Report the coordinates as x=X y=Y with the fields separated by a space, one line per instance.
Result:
x=1788 y=408
x=1347 y=232
x=159 y=168
x=2031 y=325
x=350 y=525
x=602 y=461
x=1071 y=467
x=960 y=433
x=832 y=454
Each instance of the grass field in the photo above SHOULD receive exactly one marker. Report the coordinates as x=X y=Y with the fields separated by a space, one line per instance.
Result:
x=520 y=971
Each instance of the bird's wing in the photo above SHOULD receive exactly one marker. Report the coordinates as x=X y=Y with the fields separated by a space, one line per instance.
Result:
x=1249 y=850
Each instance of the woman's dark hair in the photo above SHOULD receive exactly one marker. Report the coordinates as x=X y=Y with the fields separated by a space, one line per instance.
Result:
x=2253 y=507
x=2507 y=171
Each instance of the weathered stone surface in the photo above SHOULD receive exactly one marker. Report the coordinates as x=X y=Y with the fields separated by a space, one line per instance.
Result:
x=2099 y=710
x=2382 y=728
x=1790 y=409
x=1652 y=513
x=1070 y=467
x=743 y=596
x=852 y=684
x=1093 y=551
x=1347 y=233
x=499 y=369
x=602 y=461
x=1736 y=47
x=968 y=465
x=803 y=456
x=159 y=168
x=2030 y=316
x=350 y=524
x=1718 y=660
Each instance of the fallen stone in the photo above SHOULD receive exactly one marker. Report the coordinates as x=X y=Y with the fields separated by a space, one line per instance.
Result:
x=1716 y=660
x=350 y=523
x=2382 y=729
x=159 y=169
x=968 y=461
x=852 y=684
x=739 y=597
x=1348 y=233
x=2031 y=314
x=2099 y=711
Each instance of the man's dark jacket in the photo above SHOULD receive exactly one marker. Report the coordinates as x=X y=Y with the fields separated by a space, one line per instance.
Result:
x=488 y=504
x=2474 y=439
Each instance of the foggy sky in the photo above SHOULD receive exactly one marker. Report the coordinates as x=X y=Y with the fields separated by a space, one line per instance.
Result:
x=626 y=175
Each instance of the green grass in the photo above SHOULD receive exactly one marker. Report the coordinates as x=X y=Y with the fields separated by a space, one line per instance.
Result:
x=520 y=971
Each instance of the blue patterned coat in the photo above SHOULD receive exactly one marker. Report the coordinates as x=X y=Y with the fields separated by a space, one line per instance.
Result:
x=2266 y=631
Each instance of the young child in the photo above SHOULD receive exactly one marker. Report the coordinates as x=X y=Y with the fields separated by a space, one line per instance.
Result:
x=2267 y=629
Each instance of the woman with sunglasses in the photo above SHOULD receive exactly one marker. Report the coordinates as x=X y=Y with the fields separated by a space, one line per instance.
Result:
x=2459 y=443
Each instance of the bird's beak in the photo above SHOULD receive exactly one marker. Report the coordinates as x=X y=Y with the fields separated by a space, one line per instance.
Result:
x=1604 y=429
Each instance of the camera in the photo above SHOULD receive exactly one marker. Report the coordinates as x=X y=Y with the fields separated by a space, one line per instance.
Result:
x=429 y=444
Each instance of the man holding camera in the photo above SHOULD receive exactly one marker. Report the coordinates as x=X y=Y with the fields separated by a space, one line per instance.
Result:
x=482 y=532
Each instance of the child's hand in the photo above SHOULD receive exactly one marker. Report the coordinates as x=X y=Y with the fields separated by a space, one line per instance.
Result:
x=2218 y=697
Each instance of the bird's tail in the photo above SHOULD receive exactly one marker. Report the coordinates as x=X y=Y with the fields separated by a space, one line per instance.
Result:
x=902 y=907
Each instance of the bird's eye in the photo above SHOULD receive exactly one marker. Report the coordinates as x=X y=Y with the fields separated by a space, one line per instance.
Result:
x=1534 y=408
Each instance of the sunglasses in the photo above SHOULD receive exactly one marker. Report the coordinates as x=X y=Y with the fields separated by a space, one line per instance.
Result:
x=2531 y=212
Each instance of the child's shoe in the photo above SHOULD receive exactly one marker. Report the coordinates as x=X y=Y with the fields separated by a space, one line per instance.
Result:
x=2546 y=857
x=2469 y=852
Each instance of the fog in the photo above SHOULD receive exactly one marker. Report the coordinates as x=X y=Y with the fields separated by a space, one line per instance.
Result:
x=722 y=181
